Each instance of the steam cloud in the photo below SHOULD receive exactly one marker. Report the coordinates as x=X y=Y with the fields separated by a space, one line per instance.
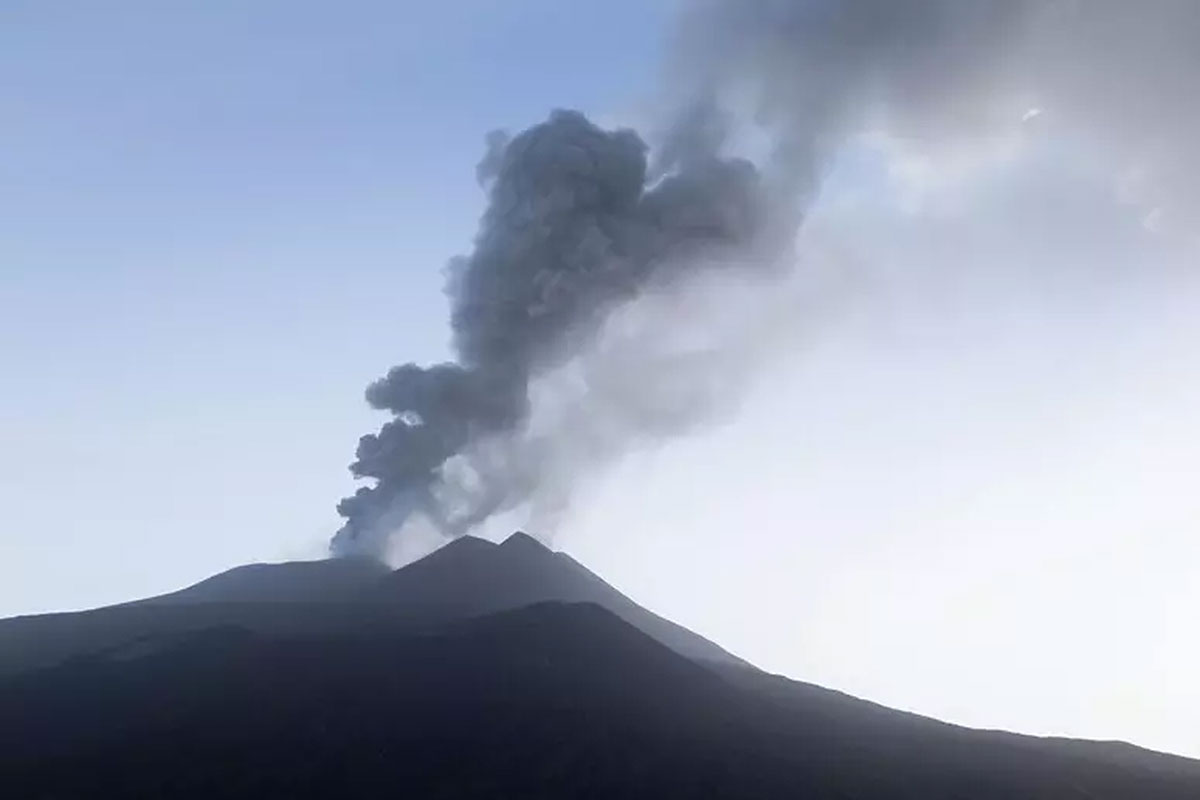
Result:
x=588 y=245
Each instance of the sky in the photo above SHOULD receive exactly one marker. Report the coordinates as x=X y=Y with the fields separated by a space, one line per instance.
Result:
x=219 y=222
x=962 y=485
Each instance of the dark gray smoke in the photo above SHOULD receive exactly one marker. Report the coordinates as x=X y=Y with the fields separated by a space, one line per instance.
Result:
x=580 y=223
x=573 y=228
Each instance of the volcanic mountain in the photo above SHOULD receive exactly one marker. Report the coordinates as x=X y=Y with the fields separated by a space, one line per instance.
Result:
x=466 y=578
x=482 y=670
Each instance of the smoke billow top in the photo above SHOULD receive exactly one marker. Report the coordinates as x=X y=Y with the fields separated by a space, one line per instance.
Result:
x=583 y=224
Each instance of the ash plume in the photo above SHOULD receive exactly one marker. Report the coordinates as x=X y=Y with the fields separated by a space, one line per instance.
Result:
x=572 y=229
x=1114 y=76
x=564 y=313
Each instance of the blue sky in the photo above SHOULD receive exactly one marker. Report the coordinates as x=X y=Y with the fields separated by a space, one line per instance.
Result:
x=218 y=222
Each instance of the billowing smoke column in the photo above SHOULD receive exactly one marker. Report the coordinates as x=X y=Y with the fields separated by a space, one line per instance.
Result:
x=580 y=222
x=573 y=227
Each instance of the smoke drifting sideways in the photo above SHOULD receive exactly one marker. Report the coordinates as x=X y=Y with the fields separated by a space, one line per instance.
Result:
x=587 y=241
x=574 y=228
x=1115 y=78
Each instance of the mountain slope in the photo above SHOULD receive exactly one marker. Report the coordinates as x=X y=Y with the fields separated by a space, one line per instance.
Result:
x=482 y=670
x=289 y=598
x=467 y=577
x=472 y=577
x=330 y=580
x=549 y=700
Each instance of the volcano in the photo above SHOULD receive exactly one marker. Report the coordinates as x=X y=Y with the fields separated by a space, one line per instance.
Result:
x=482 y=670
x=468 y=577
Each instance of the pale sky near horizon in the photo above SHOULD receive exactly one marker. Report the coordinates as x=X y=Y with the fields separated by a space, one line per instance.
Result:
x=964 y=486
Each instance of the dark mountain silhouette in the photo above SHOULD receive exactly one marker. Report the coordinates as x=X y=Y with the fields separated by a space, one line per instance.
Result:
x=340 y=579
x=550 y=700
x=471 y=577
x=450 y=697
x=467 y=577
